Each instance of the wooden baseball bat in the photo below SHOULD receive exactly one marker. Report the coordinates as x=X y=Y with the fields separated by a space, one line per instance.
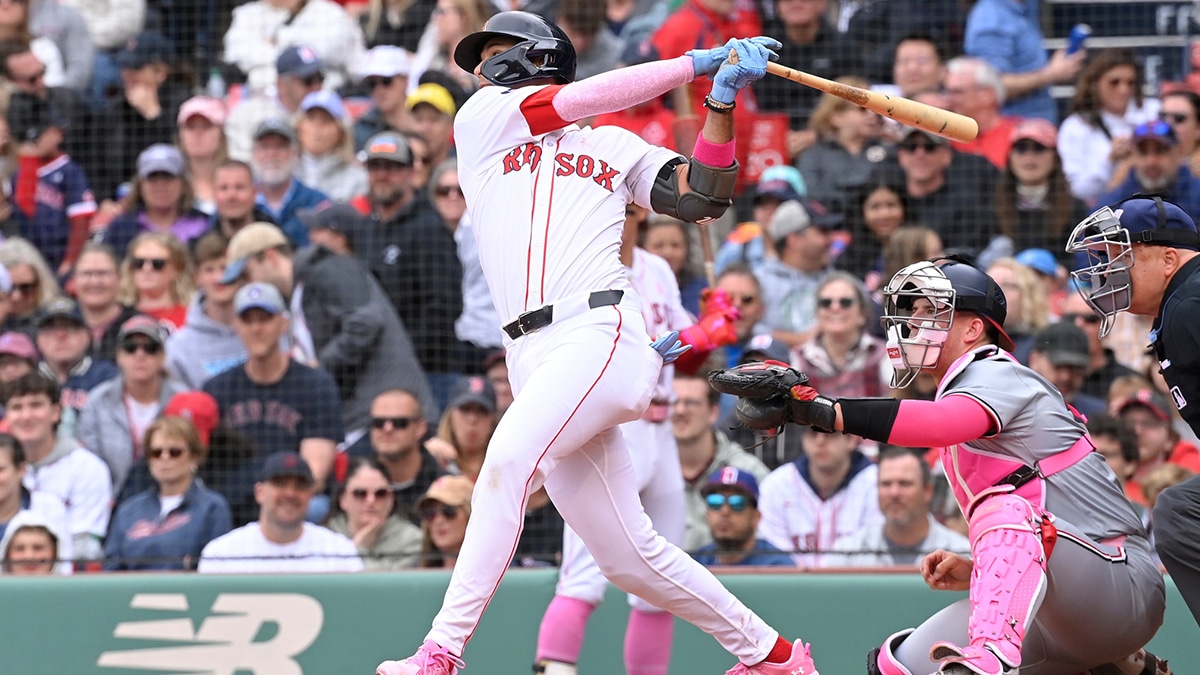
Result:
x=905 y=111
x=923 y=116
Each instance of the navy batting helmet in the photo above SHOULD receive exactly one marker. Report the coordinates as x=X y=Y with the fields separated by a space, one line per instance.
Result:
x=543 y=51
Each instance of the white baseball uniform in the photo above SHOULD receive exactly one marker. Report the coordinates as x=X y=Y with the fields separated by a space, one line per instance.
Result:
x=548 y=202
x=650 y=441
x=795 y=518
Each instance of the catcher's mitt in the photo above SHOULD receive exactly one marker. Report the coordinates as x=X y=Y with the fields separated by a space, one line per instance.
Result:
x=762 y=379
x=773 y=394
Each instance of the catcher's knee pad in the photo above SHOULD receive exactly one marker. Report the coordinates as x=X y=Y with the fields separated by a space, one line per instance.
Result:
x=882 y=660
x=1009 y=579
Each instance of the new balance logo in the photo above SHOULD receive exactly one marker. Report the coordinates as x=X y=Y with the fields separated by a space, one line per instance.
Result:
x=224 y=644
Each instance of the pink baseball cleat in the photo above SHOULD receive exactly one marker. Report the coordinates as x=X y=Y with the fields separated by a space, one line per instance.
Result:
x=430 y=659
x=800 y=663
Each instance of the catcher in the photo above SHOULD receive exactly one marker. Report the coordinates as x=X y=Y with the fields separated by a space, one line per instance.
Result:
x=1060 y=577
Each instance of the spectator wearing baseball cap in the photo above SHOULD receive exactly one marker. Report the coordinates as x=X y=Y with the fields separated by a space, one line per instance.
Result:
x=262 y=31
x=114 y=420
x=201 y=123
x=298 y=74
x=161 y=200
x=1159 y=166
x=276 y=159
x=18 y=356
x=384 y=72
x=366 y=348
x=58 y=222
x=147 y=112
x=448 y=501
x=1147 y=412
x=64 y=342
x=338 y=227
x=466 y=425
x=432 y=107
x=327 y=147
x=952 y=192
x=731 y=497
x=789 y=281
x=280 y=540
x=1060 y=354
x=419 y=266
x=306 y=397
x=747 y=243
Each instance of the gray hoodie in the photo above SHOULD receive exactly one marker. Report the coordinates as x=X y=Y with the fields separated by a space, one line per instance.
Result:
x=66 y=28
x=202 y=348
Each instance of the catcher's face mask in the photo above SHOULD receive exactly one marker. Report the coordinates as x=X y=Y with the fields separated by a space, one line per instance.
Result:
x=1105 y=282
x=918 y=309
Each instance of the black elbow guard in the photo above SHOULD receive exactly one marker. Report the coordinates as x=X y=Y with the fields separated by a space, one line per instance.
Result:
x=870 y=418
x=710 y=196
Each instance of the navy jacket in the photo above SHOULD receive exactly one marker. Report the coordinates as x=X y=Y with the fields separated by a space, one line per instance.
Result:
x=140 y=539
x=299 y=198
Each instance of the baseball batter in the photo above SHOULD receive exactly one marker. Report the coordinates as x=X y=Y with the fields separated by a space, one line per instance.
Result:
x=1060 y=578
x=651 y=443
x=548 y=199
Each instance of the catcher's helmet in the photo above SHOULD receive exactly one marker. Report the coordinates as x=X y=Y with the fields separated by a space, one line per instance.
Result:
x=915 y=335
x=543 y=51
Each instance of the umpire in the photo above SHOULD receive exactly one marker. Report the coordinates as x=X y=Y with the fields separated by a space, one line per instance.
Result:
x=1144 y=257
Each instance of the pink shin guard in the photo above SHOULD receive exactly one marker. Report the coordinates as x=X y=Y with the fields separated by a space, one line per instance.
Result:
x=648 y=642
x=1009 y=539
x=560 y=637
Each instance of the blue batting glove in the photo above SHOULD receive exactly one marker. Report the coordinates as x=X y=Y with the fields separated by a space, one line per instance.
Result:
x=708 y=61
x=733 y=77
x=669 y=347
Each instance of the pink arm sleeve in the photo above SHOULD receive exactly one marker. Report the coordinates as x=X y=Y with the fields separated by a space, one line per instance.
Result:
x=934 y=424
x=621 y=88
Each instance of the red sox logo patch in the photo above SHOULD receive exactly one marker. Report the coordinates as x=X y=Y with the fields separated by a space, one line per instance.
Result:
x=529 y=156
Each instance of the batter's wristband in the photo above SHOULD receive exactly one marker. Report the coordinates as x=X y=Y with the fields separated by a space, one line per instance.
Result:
x=870 y=418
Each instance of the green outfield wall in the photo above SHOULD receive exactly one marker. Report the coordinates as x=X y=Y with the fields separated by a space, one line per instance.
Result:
x=346 y=624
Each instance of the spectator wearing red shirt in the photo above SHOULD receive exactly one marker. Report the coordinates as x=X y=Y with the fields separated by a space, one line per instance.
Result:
x=974 y=89
x=701 y=24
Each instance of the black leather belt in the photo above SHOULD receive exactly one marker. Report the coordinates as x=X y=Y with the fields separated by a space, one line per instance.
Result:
x=537 y=319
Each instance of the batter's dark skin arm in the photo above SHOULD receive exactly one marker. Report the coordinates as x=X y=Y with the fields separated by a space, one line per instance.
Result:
x=718 y=129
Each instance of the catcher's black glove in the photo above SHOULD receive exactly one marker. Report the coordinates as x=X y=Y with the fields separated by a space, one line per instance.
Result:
x=772 y=394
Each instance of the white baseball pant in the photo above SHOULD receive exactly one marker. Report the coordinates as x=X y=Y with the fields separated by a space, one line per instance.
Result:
x=660 y=485
x=574 y=382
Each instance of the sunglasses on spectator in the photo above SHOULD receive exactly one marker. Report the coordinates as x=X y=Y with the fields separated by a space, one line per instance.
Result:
x=1157 y=128
x=447 y=190
x=373 y=82
x=1090 y=319
x=430 y=512
x=313 y=80
x=924 y=145
x=736 y=502
x=1026 y=146
x=744 y=299
x=26 y=288
x=380 y=494
x=173 y=453
x=1177 y=118
x=157 y=263
x=131 y=347
x=844 y=303
x=396 y=422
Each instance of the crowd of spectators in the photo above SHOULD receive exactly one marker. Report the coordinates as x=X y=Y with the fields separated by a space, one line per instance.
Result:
x=244 y=326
